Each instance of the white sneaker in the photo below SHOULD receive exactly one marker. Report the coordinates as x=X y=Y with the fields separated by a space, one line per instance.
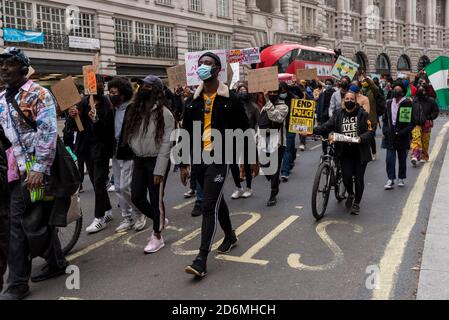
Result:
x=108 y=217
x=189 y=194
x=154 y=245
x=96 y=226
x=423 y=161
x=141 y=222
x=302 y=147
x=401 y=183
x=248 y=193
x=125 y=225
x=414 y=162
x=237 y=194
x=389 y=185
x=111 y=188
x=374 y=157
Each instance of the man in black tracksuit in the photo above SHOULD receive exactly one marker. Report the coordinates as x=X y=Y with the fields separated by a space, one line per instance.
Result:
x=214 y=107
x=4 y=207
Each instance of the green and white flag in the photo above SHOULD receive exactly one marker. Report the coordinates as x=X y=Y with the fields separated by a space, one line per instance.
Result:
x=438 y=72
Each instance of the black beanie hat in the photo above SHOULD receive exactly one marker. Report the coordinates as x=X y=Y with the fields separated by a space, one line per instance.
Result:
x=213 y=56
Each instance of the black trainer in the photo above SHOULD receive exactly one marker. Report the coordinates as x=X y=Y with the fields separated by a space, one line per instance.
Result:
x=196 y=212
x=355 y=209
x=349 y=202
x=228 y=243
x=15 y=293
x=198 y=267
x=48 y=272
x=273 y=201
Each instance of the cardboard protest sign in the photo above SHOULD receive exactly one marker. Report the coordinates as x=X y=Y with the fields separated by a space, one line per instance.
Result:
x=96 y=62
x=309 y=74
x=244 y=56
x=302 y=116
x=191 y=59
x=66 y=93
x=177 y=76
x=31 y=71
x=344 y=67
x=90 y=80
x=263 y=79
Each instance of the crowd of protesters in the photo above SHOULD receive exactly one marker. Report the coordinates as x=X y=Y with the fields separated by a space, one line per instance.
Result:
x=133 y=129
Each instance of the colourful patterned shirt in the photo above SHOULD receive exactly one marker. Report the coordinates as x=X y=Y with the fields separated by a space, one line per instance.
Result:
x=38 y=104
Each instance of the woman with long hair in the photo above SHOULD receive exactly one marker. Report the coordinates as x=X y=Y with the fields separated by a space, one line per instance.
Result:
x=148 y=126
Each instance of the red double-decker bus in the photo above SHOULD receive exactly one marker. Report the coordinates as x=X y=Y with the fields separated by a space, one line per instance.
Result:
x=290 y=57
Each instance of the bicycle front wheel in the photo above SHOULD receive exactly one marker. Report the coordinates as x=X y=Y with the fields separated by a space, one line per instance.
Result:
x=321 y=191
x=69 y=235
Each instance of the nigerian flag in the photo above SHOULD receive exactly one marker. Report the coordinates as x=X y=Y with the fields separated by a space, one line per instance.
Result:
x=438 y=72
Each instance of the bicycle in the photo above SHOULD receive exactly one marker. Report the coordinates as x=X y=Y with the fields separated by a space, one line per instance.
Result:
x=329 y=173
x=70 y=235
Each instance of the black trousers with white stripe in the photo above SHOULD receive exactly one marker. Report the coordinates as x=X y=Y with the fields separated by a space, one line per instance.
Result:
x=211 y=179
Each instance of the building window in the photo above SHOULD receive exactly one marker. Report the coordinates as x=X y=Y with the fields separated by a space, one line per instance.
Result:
x=196 y=5
x=166 y=2
x=123 y=35
x=308 y=20
x=209 y=41
x=223 y=8
x=194 y=39
x=86 y=28
x=224 y=41
x=165 y=36
x=17 y=15
x=145 y=33
x=51 y=20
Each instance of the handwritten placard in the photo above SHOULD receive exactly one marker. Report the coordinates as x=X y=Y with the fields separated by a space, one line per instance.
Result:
x=90 y=79
x=177 y=76
x=263 y=79
x=66 y=93
x=308 y=74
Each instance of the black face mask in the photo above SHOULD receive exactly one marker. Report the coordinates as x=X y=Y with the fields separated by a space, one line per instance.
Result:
x=274 y=99
x=115 y=100
x=397 y=94
x=421 y=93
x=100 y=92
x=244 y=96
x=345 y=85
x=350 y=105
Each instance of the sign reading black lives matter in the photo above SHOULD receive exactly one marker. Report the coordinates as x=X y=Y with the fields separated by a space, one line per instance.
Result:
x=302 y=116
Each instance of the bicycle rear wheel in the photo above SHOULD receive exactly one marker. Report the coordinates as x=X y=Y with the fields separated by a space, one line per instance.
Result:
x=321 y=191
x=69 y=235
x=340 y=189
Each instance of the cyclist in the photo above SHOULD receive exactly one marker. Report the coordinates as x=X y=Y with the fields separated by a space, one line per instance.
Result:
x=351 y=121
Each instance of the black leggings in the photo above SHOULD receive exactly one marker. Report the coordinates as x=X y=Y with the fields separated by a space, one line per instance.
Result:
x=211 y=179
x=235 y=170
x=99 y=175
x=353 y=173
x=4 y=234
x=143 y=183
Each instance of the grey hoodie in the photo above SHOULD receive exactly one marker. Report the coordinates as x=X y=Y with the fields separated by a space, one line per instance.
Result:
x=144 y=145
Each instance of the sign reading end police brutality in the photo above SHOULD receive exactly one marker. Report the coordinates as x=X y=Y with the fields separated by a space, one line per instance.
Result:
x=302 y=117
x=192 y=58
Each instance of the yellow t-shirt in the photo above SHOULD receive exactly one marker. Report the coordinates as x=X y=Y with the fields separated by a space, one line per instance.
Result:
x=208 y=104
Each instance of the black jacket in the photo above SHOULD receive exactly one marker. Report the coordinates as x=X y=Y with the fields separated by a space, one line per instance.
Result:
x=335 y=124
x=424 y=109
x=227 y=113
x=97 y=140
x=397 y=136
x=4 y=199
x=4 y=209
x=324 y=102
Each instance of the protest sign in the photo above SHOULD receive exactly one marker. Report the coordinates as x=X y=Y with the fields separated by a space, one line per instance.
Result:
x=96 y=62
x=405 y=115
x=191 y=59
x=177 y=76
x=309 y=74
x=263 y=79
x=244 y=56
x=302 y=116
x=79 y=124
x=235 y=67
x=66 y=93
x=344 y=67
x=90 y=80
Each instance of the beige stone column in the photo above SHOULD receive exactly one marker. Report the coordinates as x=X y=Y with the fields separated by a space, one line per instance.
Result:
x=276 y=5
x=252 y=5
x=106 y=35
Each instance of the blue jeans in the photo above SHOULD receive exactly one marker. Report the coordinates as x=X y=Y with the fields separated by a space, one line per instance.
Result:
x=391 y=163
x=289 y=154
x=199 y=195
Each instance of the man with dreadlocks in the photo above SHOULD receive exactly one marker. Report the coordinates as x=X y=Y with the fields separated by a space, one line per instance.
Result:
x=148 y=126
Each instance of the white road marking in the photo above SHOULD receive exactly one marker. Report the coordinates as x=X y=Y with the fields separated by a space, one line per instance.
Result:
x=394 y=252
x=184 y=204
x=294 y=258
x=316 y=147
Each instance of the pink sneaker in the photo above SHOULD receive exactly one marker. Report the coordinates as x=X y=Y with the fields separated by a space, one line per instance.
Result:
x=154 y=245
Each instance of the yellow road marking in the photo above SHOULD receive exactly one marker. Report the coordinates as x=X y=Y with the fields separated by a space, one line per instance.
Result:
x=247 y=257
x=176 y=247
x=184 y=204
x=294 y=258
x=394 y=252
x=95 y=246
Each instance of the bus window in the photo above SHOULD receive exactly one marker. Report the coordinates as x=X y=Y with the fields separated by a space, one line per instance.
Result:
x=307 y=55
x=284 y=62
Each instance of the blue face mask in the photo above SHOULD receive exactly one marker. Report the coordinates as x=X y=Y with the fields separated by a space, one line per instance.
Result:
x=204 y=72
x=283 y=96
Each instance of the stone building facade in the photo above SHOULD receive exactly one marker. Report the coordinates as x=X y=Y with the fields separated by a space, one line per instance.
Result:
x=138 y=37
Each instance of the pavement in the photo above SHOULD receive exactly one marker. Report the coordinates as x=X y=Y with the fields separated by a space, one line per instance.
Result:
x=434 y=275
x=283 y=253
